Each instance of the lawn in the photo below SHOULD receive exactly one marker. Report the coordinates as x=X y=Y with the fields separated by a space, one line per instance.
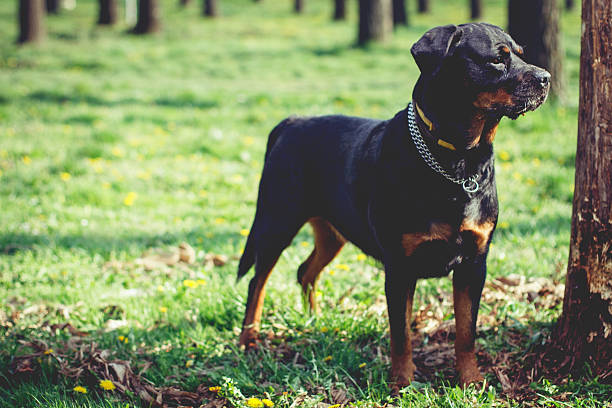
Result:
x=116 y=149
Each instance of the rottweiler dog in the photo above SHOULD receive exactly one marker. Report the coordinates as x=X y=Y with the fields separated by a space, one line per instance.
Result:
x=416 y=192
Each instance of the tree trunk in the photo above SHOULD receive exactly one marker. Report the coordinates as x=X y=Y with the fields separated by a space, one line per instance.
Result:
x=108 y=12
x=147 y=17
x=339 y=10
x=52 y=6
x=423 y=6
x=298 y=6
x=400 y=14
x=185 y=2
x=375 y=20
x=535 y=25
x=31 y=23
x=210 y=8
x=584 y=331
x=569 y=4
x=475 y=9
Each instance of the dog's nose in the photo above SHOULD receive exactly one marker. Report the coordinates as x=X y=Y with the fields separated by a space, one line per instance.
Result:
x=543 y=77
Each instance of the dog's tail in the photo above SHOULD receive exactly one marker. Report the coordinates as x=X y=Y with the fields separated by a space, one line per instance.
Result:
x=276 y=132
x=247 y=259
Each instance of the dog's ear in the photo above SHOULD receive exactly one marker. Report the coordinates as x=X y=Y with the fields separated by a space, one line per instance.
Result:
x=434 y=45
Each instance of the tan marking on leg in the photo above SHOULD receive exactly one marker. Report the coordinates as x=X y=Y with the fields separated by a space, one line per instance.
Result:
x=328 y=242
x=464 y=343
x=402 y=366
x=437 y=231
x=480 y=231
x=252 y=315
x=490 y=133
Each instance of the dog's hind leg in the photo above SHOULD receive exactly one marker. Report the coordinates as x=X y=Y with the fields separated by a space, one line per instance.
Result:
x=328 y=242
x=270 y=239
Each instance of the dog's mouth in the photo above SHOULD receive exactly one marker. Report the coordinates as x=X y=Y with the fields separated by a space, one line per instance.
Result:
x=524 y=105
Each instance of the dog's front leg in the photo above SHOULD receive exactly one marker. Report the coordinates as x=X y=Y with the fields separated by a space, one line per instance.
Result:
x=468 y=281
x=399 y=289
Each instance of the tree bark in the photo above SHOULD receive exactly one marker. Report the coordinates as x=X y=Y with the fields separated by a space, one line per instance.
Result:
x=52 y=6
x=210 y=8
x=339 y=10
x=534 y=24
x=298 y=6
x=584 y=331
x=108 y=12
x=147 y=17
x=423 y=6
x=375 y=21
x=475 y=9
x=400 y=14
x=31 y=23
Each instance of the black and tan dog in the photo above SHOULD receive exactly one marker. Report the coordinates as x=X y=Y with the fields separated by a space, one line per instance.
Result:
x=416 y=192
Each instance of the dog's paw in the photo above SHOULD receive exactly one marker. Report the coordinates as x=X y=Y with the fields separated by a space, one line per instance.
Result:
x=470 y=377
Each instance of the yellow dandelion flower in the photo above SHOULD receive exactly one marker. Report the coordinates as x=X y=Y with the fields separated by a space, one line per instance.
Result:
x=123 y=339
x=216 y=388
x=107 y=385
x=163 y=309
x=106 y=185
x=244 y=232
x=328 y=358
x=503 y=224
x=249 y=140
x=188 y=363
x=201 y=282
x=305 y=244
x=254 y=403
x=160 y=288
x=342 y=267
x=219 y=220
x=331 y=272
x=203 y=193
x=267 y=402
x=334 y=406
x=517 y=176
x=26 y=160
x=504 y=155
x=324 y=329
x=190 y=283
x=65 y=176
x=536 y=162
x=531 y=182
x=144 y=175
x=130 y=198
x=117 y=151
x=361 y=257
x=80 y=389
x=49 y=351
x=237 y=178
x=362 y=365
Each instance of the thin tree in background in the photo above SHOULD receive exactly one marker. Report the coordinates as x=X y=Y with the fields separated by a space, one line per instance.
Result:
x=298 y=6
x=584 y=331
x=375 y=21
x=31 y=23
x=339 y=10
x=475 y=9
x=569 y=4
x=210 y=8
x=147 y=18
x=107 y=12
x=400 y=13
x=185 y=2
x=52 y=6
x=534 y=24
x=423 y=6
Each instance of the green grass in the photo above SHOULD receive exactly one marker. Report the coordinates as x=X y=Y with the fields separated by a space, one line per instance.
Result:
x=175 y=124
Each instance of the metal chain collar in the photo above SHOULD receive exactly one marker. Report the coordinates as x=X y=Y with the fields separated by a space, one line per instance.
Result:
x=470 y=185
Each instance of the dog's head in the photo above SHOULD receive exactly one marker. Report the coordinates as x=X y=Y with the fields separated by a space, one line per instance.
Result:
x=480 y=65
